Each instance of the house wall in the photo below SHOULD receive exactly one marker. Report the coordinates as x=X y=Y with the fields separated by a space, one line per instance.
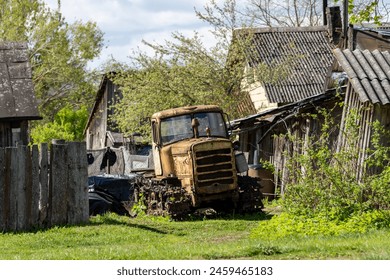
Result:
x=96 y=132
x=100 y=124
x=114 y=95
x=259 y=99
x=5 y=134
x=290 y=139
x=256 y=91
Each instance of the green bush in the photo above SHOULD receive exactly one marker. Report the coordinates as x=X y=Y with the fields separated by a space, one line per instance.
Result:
x=68 y=124
x=334 y=191
x=339 y=183
x=287 y=225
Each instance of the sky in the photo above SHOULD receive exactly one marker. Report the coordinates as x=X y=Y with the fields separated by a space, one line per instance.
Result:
x=125 y=23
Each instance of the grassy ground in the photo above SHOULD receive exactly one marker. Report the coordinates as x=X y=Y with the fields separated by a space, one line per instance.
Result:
x=115 y=237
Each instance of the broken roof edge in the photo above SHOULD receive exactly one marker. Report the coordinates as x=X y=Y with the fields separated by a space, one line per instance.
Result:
x=331 y=93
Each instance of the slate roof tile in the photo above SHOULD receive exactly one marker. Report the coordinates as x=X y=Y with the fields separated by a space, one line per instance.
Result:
x=311 y=51
x=368 y=72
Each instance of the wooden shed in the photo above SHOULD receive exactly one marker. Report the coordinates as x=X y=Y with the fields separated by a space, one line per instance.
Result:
x=367 y=95
x=18 y=104
x=100 y=132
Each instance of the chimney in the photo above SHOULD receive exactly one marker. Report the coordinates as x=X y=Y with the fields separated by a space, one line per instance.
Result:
x=333 y=19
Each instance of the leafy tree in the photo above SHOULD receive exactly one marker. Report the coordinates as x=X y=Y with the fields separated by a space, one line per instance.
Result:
x=59 y=52
x=368 y=11
x=180 y=74
x=68 y=124
x=183 y=71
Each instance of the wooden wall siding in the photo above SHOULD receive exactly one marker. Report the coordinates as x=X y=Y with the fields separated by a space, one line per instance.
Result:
x=280 y=158
x=99 y=122
x=5 y=134
x=303 y=130
x=34 y=194
x=367 y=114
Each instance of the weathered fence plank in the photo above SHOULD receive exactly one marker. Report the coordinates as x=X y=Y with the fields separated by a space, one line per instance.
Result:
x=28 y=187
x=77 y=182
x=2 y=189
x=58 y=185
x=19 y=190
x=12 y=162
x=35 y=193
x=43 y=184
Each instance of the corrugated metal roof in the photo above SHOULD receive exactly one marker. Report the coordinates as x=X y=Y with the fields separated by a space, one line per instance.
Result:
x=368 y=72
x=17 y=98
x=310 y=54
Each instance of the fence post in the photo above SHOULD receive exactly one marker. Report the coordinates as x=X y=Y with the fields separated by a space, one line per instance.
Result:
x=78 y=210
x=43 y=185
x=58 y=185
x=11 y=157
x=20 y=188
x=17 y=199
x=7 y=183
x=2 y=190
x=34 y=218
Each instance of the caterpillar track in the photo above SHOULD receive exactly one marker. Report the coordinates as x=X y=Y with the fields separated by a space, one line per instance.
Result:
x=162 y=198
x=168 y=198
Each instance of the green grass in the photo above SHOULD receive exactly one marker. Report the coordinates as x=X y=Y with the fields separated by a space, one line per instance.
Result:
x=146 y=238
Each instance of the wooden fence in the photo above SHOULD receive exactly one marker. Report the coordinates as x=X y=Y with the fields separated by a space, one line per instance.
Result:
x=43 y=187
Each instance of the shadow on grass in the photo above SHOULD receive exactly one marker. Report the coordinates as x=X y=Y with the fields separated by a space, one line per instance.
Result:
x=259 y=216
x=107 y=220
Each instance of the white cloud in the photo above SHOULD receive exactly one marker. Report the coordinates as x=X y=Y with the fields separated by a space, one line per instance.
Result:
x=126 y=22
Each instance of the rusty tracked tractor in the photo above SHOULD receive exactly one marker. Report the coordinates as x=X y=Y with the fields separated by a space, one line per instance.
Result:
x=194 y=166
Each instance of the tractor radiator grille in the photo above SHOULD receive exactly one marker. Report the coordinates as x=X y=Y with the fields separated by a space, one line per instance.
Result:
x=214 y=167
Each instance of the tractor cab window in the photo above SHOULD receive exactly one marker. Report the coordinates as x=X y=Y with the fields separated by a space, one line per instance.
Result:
x=175 y=129
x=211 y=124
x=182 y=127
